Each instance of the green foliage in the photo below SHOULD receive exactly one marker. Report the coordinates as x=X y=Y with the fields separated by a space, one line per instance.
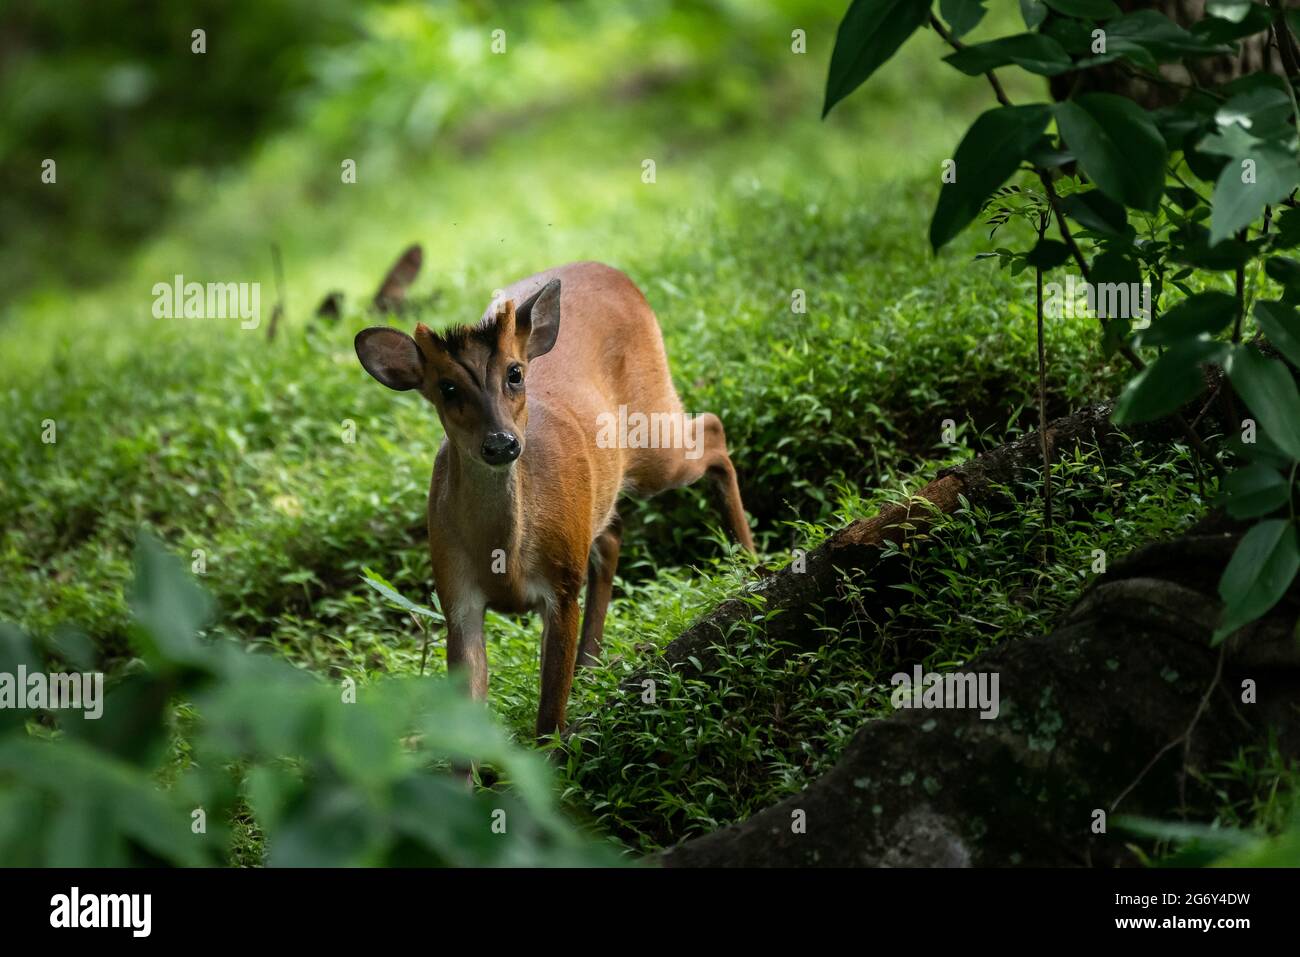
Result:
x=1117 y=146
x=1032 y=51
x=766 y=720
x=1168 y=383
x=991 y=151
x=963 y=15
x=1229 y=842
x=1255 y=490
x=871 y=33
x=1239 y=138
x=385 y=588
x=1261 y=570
x=228 y=445
x=142 y=128
x=124 y=107
x=1269 y=389
x=1091 y=9
x=335 y=777
x=1199 y=315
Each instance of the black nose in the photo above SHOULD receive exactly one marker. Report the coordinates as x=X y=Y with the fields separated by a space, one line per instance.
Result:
x=500 y=448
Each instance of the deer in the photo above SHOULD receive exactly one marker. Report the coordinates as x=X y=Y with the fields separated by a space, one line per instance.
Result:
x=523 y=500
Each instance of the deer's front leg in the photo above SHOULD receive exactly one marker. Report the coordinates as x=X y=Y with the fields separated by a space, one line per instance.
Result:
x=466 y=649
x=466 y=652
x=559 y=656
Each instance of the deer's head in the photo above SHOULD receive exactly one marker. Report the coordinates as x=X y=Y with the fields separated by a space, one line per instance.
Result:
x=475 y=376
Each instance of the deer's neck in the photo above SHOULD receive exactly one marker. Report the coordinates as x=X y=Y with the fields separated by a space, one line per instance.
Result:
x=491 y=501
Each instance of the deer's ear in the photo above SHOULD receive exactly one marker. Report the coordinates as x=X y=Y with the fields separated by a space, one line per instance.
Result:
x=537 y=321
x=391 y=356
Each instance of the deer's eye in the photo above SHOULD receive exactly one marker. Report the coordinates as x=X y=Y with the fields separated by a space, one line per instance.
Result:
x=515 y=375
x=447 y=389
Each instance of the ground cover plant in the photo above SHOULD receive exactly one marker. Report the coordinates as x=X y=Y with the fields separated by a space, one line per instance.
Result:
x=820 y=286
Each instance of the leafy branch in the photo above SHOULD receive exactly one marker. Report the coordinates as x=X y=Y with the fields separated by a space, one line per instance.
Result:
x=1238 y=136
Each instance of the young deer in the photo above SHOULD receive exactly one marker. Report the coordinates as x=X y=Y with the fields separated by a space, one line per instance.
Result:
x=522 y=505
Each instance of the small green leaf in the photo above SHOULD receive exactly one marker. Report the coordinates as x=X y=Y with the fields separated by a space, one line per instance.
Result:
x=1092 y=209
x=1186 y=121
x=989 y=153
x=1116 y=279
x=1191 y=245
x=1205 y=313
x=1118 y=147
x=1181 y=832
x=381 y=585
x=1233 y=11
x=169 y=604
x=963 y=16
x=1281 y=325
x=1249 y=182
x=1034 y=12
x=1256 y=490
x=1114 y=334
x=1046 y=154
x=1034 y=52
x=1164 y=386
x=1285 y=272
x=1184 y=199
x=1218 y=28
x=15 y=651
x=1287 y=233
x=870 y=33
x=1229 y=141
x=1261 y=570
x=1048 y=254
x=1268 y=388
x=1264 y=112
x=1260 y=449
x=1157 y=37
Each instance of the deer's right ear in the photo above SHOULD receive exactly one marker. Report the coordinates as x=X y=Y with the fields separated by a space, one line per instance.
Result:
x=391 y=356
x=537 y=321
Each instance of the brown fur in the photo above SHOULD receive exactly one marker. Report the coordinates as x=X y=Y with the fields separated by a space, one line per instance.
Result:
x=551 y=513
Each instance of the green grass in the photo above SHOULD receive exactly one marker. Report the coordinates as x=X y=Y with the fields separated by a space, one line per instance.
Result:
x=767 y=720
x=233 y=450
x=237 y=447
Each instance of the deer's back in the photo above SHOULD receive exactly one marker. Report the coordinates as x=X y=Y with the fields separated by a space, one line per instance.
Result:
x=609 y=350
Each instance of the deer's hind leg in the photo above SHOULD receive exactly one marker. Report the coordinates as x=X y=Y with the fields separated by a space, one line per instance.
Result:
x=709 y=456
x=601 y=566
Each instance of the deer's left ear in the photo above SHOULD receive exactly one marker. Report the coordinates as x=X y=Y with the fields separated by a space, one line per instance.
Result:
x=390 y=356
x=537 y=321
